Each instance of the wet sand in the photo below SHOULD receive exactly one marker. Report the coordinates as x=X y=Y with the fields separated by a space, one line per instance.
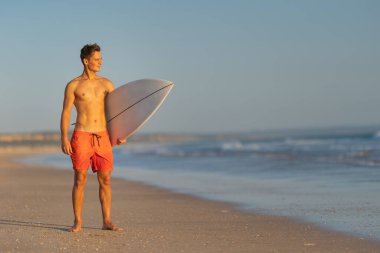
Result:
x=36 y=211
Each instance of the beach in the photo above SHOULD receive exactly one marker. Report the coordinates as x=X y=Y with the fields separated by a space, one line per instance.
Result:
x=36 y=212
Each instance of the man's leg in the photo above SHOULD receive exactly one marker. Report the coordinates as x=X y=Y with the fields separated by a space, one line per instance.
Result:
x=104 y=178
x=80 y=179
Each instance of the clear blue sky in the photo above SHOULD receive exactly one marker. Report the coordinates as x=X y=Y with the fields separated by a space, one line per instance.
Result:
x=237 y=65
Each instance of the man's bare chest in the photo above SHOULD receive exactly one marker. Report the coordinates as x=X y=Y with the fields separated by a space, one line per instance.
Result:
x=90 y=93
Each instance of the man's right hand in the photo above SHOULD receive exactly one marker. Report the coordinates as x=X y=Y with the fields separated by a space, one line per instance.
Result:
x=66 y=147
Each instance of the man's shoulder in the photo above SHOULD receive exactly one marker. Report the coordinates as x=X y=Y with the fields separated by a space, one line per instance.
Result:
x=71 y=86
x=74 y=81
x=104 y=80
x=106 y=83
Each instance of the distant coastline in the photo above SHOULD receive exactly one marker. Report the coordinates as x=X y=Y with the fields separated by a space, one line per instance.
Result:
x=48 y=138
x=52 y=138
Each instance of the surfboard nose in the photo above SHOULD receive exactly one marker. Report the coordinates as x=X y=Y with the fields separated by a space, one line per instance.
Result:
x=156 y=82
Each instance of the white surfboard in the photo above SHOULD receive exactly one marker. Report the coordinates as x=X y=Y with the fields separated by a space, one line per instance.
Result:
x=131 y=105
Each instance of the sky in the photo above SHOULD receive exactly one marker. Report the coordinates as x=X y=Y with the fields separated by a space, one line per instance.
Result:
x=237 y=65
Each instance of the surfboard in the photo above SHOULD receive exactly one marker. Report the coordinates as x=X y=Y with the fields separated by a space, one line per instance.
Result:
x=131 y=105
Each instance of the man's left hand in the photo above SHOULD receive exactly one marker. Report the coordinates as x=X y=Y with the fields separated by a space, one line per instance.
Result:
x=121 y=142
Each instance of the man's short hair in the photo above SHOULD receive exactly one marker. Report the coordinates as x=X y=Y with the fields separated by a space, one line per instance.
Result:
x=88 y=50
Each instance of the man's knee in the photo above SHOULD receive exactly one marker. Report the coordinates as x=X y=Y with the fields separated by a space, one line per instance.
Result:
x=104 y=178
x=80 y=178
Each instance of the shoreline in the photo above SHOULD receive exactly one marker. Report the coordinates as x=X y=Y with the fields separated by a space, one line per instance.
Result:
x=155 y=219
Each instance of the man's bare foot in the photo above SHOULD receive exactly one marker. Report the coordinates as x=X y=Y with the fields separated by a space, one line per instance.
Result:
x=112 y=227
x=76 y=228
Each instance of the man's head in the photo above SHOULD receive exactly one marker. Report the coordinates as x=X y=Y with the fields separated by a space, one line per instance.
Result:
x=91 y=57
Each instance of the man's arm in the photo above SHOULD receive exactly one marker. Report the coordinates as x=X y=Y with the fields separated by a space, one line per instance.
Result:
x=110 y=88
x=65 y=118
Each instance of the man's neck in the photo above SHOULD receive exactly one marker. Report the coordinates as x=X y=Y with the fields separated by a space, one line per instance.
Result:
x=88 y=74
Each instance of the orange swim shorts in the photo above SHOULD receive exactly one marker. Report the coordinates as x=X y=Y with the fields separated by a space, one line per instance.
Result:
x=91 y=148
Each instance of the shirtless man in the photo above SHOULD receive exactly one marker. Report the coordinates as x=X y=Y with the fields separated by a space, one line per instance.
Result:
x=90 y=144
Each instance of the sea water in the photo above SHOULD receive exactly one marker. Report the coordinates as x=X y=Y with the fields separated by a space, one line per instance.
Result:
x=329 y=179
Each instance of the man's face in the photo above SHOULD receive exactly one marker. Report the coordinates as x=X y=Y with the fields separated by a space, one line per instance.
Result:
x=94 y=62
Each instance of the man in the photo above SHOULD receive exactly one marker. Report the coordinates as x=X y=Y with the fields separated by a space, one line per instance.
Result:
x=90 y=144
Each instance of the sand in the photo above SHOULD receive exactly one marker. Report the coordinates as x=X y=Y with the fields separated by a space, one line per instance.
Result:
x=36 y=211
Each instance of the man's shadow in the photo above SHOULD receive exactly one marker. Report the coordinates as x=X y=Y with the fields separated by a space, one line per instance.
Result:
x=39 y=225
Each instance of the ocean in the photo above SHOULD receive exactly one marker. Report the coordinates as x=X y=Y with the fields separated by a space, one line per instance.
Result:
x=330 y=178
